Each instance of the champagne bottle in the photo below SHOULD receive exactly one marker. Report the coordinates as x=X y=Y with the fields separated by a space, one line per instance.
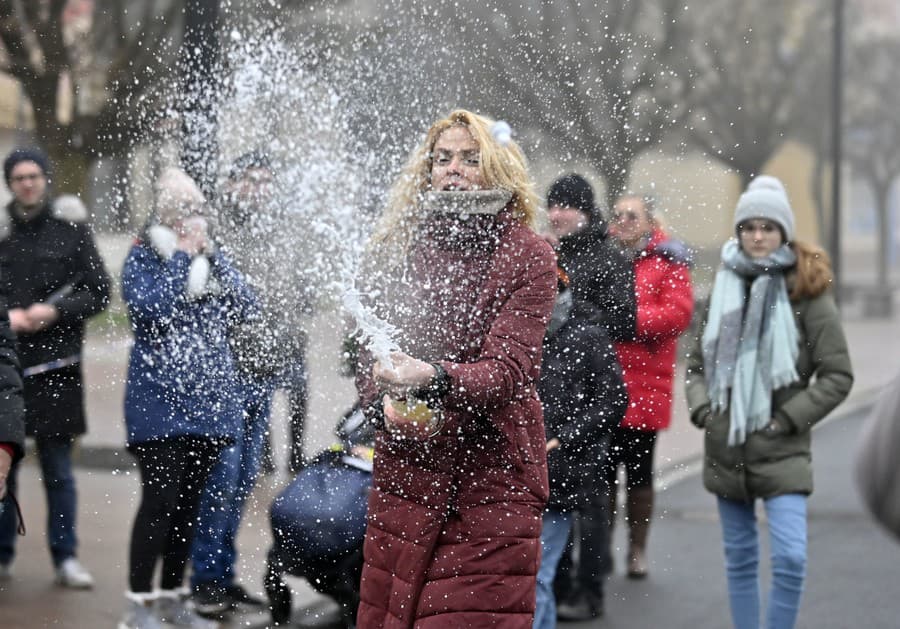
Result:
x=418 y=419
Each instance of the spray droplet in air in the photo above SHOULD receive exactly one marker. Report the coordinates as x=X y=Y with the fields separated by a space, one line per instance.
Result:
x=501 y=132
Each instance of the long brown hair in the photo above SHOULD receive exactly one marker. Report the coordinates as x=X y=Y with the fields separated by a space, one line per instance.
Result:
x=812 y=275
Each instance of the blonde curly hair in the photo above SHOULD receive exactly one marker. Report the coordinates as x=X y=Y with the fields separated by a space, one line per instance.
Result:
x=503 y=166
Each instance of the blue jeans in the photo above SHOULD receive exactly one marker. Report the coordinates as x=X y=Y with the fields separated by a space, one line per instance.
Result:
x=231 y=481
x=554 y=536
x=787 y=532
x=55 y=456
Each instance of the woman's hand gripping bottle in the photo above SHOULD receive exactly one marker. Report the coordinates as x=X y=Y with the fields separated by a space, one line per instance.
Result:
x=411 y=418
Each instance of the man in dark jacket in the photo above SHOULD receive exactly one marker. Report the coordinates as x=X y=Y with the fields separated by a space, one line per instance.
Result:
x=598 y=272
x=600 y=275
x=584 y=399
x=55 y=280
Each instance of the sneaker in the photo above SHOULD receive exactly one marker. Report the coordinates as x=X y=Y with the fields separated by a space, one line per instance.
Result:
x=238 y=595
x=71 y=574
x=139 y=615
x=211 y=599
x=177 y=610
x=5 y=571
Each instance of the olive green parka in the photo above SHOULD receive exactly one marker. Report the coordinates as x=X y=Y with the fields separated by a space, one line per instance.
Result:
x=766 y=464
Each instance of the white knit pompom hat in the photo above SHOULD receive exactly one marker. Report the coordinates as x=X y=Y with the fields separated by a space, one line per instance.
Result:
x=766 y=198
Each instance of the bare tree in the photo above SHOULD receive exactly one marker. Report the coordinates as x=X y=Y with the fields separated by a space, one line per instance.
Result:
x=597 y=78
x=88 y=74
x=756 y=66
x=873 y=129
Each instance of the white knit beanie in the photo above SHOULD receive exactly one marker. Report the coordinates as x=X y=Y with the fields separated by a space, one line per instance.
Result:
x=766 y=198
x=176 y=193
x=767 y=182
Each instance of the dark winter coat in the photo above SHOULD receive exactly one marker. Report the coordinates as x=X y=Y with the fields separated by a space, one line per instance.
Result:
x=50 y=259
x=454 y=523
x=12 y=405
x=601 y=275
x=665 y=303
x=181 y=374
x=769 y=465
x=584 y=399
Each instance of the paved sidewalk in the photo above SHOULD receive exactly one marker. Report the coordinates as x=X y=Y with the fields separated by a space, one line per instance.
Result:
x=107 y=503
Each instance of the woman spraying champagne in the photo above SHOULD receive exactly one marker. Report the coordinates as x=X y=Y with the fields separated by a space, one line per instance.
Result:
x=454 y=526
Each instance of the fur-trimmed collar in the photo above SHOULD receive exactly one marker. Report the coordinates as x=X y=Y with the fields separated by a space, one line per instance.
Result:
x=62 y=209
x=162 y=240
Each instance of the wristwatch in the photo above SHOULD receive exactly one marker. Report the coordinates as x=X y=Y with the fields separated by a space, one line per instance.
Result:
x=433 y=393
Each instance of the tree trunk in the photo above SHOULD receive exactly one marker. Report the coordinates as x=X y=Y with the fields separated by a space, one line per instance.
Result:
x=199 y=57
x=882 y=191
x=817 y=185
x=69 y=166
x=616 y=180
x=70 y=169
x=746 y=176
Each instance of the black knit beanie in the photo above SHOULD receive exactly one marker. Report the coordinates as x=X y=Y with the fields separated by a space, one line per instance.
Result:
x=25 y=155
x=574 y=191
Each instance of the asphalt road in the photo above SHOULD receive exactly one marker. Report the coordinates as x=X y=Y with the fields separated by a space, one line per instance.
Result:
x=853 y=569
x=853 y=566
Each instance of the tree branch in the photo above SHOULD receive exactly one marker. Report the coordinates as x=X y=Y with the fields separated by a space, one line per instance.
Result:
x=12 y=35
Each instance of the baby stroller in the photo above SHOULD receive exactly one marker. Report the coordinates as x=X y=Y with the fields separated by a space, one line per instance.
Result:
x=319 y=523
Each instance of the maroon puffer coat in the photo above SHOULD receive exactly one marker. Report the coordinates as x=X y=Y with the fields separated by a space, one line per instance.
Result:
x=453 y=536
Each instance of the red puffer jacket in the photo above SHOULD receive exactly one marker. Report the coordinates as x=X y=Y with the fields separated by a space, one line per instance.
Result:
x=454 y=522
x=665 y=303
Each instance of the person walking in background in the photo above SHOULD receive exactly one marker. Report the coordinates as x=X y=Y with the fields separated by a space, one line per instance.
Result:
x=770 y=362
x=55 y=280
x=584 y=398
x=665 y=304
x=182 y=404
x=877 y=463
x=454 y=525
x=253 y=210
x=264 y=349
x=599 y=274
x=12 y=408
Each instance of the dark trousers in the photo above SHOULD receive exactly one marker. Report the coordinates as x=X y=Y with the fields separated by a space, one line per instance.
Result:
x=294 y=380
x=585 y=562
x=55 y=457
x=173 y=476
x=232 y=480
x=634 y=450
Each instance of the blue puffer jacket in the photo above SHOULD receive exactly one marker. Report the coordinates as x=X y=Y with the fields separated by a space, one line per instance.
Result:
x=181 y=375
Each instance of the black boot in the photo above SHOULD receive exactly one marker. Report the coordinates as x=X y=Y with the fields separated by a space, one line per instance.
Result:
x=579 y=607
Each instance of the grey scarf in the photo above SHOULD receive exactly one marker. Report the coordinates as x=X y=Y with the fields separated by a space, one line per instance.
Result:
x=750 y=343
